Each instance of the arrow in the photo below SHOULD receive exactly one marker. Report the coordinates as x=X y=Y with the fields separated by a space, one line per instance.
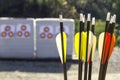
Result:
x=111 y=45
x=100 y=44
x=91 y=56
x=61 y=41
x=109 y=41
x=58 y=43
x=87 y=42
x=79 y=37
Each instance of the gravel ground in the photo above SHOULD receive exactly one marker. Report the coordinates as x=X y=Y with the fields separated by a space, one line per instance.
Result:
x=52 y=70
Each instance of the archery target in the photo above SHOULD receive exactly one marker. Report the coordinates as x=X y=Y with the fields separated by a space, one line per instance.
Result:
x=46 y=32
x=23 y=30
x=7 y=31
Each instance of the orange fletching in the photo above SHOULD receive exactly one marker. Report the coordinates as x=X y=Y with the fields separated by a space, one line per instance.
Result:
x=108 y=44
x=112 y=46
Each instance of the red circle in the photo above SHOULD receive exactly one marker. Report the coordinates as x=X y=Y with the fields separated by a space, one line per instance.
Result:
x=49 y=35
x=42 y=35
x=46 y=29
x=7 y=28
x=23 y=27
x=19 y=33
x=3 y=34
x=26 y=34
x=10 y=34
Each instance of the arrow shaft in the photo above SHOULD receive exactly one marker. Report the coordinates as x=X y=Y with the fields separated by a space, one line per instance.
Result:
x=86 y=64
x=90 y=71
x=90 y=64
x=101 y=68
x=111 y=30
x=80 y=57
x=80 y=70
x=62 y=41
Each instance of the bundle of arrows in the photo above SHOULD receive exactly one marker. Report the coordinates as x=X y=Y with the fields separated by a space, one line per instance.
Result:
x=106 y=44
x=85 y=46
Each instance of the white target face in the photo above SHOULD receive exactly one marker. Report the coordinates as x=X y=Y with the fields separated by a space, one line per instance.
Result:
x=66 y=29
x=7 y=31
x=23 y=30
x=46 y=32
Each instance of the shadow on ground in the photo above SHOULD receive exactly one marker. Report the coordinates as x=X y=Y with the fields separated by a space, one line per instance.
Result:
x=33 y=66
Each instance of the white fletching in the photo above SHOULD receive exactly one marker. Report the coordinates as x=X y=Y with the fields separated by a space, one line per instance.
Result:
x=89 y=17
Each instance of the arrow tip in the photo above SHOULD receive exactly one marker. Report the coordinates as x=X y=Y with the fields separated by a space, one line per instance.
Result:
x=88 y=17
x=108 y=16
x=60 y=17
x=114 y=18
x=81 y=16
x=93 y=21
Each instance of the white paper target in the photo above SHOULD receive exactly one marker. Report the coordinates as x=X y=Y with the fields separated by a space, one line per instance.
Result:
x=46 y=32
x=7 y=31
x=23 y=32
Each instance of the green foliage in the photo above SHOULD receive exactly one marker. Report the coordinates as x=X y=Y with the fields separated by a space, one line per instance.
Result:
x=99 y=26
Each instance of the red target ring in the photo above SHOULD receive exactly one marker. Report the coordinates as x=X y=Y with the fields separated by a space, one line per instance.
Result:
x=3 y=34
x=49 y=35
x=19 y=33
x=26 y=34
x=46 y=29
x=23 y=27
x=7 y=28
x=10 y=34
x=42 y=35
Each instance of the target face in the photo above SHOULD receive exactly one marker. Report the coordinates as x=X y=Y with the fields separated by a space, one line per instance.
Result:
x=23 y=30
x=19 y=33
x=46 y=32
x=26 y=34
x=42 y=35
x=7 y=31
x=46 y=29
x=23 y=27
x=7 y=28
x=3 y=34
x=49 y=35
x=10 y=34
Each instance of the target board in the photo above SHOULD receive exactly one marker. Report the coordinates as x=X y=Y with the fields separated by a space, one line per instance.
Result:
x=46 y=32
x=16 y=38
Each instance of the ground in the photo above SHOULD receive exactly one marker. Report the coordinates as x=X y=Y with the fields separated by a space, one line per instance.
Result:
x=52 y=70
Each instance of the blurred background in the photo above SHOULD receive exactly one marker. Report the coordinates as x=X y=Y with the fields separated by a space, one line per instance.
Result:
x=69 y=8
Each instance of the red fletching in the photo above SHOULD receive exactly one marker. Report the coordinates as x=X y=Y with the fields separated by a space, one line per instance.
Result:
x=106 y=48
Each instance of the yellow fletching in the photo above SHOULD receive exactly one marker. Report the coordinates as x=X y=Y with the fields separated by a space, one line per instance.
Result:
x=83 y=45
x=76 y=43
x=65 y=45
x=83 y=48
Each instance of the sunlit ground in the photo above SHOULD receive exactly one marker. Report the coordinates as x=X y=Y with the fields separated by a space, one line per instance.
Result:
x=40 y=70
